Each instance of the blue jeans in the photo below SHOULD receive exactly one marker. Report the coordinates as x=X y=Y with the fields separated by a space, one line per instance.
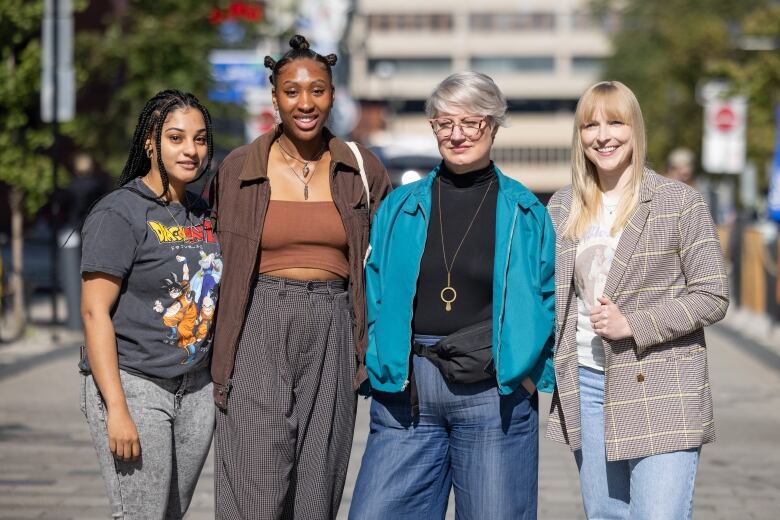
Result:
x=658 y=487
x=466 y=436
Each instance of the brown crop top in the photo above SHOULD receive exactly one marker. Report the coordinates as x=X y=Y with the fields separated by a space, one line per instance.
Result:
x=304 y=234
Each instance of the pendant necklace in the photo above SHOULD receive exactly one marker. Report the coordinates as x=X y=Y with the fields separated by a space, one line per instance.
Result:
x=305 y=170
x=449 y=294
x=609 y=207
x=188 y=239
x=304 y=175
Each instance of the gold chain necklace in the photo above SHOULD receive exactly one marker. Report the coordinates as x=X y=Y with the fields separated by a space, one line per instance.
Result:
x=305 y=170
x=449 y=290
x=304 y=180
x=189 y=239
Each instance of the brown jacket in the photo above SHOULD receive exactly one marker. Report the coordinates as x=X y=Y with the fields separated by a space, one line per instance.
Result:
x=239 y=197
x=668 y=279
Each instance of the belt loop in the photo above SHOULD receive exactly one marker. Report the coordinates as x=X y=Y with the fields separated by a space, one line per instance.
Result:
x=282 y=288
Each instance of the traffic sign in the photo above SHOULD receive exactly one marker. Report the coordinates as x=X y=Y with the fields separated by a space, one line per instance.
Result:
x=725 y=122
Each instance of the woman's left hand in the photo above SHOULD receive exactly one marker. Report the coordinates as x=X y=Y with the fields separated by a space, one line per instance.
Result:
x=608 y=322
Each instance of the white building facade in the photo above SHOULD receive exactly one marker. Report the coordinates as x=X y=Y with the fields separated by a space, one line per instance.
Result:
x=542 y=53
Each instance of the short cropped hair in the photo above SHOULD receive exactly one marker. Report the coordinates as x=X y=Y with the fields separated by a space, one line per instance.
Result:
x=471 y=92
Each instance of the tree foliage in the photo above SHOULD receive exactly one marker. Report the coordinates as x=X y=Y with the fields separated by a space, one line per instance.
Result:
x=664 y=49
x=757 y=75
x=23 y=138
x=151 y=46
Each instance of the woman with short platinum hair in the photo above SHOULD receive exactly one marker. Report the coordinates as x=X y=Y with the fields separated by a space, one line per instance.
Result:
x=460 y=310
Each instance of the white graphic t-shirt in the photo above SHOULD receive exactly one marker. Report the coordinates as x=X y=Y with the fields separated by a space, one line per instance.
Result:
x=595 y=252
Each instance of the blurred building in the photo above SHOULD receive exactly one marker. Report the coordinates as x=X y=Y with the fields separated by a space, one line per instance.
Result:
x=542 y=53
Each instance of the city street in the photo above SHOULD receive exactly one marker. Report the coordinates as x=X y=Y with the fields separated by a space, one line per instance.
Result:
x=49 y=469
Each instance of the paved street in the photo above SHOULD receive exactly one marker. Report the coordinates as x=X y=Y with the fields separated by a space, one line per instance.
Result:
x=48 y=468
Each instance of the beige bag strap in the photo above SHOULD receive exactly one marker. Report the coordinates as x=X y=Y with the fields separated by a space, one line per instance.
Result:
x=364 y=178
x=359 y=157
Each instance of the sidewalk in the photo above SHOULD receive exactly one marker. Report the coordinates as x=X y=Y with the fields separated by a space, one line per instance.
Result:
x=49 y=469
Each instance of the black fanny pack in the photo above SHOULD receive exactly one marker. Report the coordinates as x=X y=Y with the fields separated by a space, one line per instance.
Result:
x=465 y=356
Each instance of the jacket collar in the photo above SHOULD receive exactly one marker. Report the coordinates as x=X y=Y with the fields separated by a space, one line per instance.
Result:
x=256 y=165
x=514 y=191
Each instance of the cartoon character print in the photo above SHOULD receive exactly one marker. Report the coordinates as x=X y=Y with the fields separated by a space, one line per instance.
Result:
x=207 y=278
x=206 y=317
x=189 y=317
x=182 y=315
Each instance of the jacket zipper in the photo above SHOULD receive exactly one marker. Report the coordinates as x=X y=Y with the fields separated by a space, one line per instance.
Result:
x=503 y=289
x=411 y=304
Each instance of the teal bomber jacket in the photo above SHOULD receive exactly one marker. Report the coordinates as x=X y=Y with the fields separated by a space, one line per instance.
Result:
x=523 y=285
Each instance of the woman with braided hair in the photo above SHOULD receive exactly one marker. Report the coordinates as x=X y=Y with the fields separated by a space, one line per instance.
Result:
x=289 y=345
x=146 y=389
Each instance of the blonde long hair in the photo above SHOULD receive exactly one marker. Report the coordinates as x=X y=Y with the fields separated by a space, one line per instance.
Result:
x=620 y=103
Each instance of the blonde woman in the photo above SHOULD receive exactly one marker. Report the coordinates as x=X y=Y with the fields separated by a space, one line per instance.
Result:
x=632 y=396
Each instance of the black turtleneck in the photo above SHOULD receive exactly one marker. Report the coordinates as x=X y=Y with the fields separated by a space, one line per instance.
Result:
x=472 y=274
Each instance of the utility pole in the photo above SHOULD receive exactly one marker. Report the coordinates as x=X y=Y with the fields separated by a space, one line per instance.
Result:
x=57 y=105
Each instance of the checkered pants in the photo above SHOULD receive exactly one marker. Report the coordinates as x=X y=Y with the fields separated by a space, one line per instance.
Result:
x=283 y=446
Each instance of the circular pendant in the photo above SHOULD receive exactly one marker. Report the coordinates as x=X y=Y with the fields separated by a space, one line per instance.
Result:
x=448 y=291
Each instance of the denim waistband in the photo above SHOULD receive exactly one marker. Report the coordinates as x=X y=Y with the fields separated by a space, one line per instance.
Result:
x=426 y=339
x=313 y=286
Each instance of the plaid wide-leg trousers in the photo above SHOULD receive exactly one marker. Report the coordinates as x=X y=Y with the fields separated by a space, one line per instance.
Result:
x=282 y=447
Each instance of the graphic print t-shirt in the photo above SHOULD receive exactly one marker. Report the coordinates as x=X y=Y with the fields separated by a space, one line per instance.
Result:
x=595 y=252
x=170 y=266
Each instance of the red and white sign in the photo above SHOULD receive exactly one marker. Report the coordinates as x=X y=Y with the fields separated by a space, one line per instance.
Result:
x=725 y=121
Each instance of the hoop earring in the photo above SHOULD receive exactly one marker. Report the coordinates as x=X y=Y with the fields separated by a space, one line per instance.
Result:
x=149 y=152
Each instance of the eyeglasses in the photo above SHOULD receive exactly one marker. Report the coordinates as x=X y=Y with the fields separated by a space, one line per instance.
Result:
x=470 y=126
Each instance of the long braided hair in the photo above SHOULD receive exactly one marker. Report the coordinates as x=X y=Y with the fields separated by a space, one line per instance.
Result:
x=300 y=49
x=150 y=122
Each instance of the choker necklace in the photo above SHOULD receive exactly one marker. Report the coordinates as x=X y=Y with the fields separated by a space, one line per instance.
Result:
x=305 y=170
x=449 y=294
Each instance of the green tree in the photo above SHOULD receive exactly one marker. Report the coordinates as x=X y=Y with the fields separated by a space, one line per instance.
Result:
x=663 y=49
x=756 y=73
x=144 y=47
x=24 y=167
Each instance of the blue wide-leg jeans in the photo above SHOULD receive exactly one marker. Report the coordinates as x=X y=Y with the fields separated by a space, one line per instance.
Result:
x=467 y=436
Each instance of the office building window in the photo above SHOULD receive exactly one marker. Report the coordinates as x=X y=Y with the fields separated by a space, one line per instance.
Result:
x=531 y=155
x=585 y=20
x=410 y=22
x=513 y=64
x=389 y=67
x=587 y=65
x=533 y=21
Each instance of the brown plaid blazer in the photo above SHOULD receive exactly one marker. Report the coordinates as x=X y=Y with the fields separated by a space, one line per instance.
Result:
x=668 y=279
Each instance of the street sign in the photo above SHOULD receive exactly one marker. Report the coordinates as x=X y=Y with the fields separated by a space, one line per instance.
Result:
x=725 y=125
x=773 y=199
x=234 y=72
x=66 y=80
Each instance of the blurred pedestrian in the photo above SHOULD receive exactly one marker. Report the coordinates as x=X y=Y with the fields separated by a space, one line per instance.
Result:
x=680 y=166
x=293 y=217
x=85 y=187
x=633 y=395
x=146 y=390
x=460 y=289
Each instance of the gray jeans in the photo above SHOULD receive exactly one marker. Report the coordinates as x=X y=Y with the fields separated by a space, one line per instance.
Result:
x=175 y=423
